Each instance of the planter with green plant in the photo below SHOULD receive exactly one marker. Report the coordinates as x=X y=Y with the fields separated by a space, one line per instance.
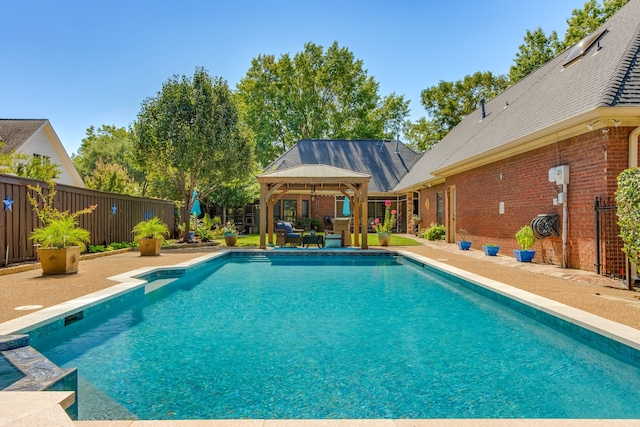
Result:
x=150 y=234
x=385 y=227
x=526 y=240
x=490 y=249
x=230 y=233
x=463 y=243
x=60 y=240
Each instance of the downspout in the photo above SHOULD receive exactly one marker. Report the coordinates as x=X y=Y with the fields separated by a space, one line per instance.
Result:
x=632 y=274
x=633 y=148
x=565 y=224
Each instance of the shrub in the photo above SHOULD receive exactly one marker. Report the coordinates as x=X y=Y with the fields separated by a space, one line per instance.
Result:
x=435 y=232
x=628 y=201
x=525 y=237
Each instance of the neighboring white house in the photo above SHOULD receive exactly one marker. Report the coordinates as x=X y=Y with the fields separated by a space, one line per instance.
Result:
x=37 y=138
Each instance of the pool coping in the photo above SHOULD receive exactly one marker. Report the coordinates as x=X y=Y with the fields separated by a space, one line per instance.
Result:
x=130 y=281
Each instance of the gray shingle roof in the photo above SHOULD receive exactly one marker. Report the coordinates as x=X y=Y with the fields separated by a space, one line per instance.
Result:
x=16 y=132
x=372 y=157
x=605 y=77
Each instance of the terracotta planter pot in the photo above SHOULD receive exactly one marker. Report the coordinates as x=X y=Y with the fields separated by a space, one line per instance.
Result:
x=384 y=239
x=149 y=247
x=59 y=260
x=230 y=239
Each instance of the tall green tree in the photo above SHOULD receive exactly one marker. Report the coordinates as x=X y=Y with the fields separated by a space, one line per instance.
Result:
x=191 y=134
x=588 y=19
x=449 y=102
x=315 y=94
x=113 y=178
x=36 y=168
x=421 y=135
x=538 y=48
x=8 y=160
x=108 y=145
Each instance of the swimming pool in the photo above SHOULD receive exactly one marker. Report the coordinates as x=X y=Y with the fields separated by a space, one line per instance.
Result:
x=334 y=337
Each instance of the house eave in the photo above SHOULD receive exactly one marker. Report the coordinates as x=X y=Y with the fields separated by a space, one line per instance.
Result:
x=421 y=185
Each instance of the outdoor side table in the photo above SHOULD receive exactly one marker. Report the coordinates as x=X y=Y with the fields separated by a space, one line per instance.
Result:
x=315 y=239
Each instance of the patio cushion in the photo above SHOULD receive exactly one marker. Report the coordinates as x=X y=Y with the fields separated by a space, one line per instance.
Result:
x=288 y=228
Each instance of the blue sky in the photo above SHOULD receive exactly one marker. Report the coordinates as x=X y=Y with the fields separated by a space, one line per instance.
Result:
x=85 y=63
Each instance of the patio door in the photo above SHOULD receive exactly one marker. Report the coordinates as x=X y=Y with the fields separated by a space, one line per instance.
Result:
x=451 y=235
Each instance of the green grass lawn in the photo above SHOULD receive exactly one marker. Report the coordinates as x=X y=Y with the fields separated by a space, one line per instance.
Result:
x=372 y=240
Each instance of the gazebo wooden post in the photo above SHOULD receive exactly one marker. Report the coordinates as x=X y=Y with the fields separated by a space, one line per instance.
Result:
x=365 y=213
x=270 y=204
x=263 y=215
x=356 y=220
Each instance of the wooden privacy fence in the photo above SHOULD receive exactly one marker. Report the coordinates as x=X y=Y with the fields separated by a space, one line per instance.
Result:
x=112 y=221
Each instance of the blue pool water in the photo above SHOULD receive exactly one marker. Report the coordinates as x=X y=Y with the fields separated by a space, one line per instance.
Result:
x=333 y=337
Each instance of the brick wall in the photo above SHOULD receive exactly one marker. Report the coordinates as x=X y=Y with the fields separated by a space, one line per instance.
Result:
x=521 y=183
x=429 y=206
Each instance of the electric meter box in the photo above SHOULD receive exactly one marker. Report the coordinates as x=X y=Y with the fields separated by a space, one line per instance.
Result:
x=559 y=174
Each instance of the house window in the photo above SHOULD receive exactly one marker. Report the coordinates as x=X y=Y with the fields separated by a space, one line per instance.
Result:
x=439 y=205
x=305 y=209
x=290 y=210
x=44 y=160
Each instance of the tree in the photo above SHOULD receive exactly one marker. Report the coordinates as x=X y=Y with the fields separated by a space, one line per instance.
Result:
x=421 y=135
x=8 y=160
x=107 y=145
x=36 y=168
x=315 y=94
x=238 y=192
x=449 y=102
x=191 y=133
x=534 y=53
x=113 y=178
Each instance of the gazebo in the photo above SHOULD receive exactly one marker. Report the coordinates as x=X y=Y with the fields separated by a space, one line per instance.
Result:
x=319 y=178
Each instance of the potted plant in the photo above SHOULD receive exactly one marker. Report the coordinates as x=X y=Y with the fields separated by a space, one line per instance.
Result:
x=384 y=228
x=416 y=224
x=230 y=233
x=60 y=240
x=490 y=249
x=150 y=234
x=463 y=244
x=526 y=239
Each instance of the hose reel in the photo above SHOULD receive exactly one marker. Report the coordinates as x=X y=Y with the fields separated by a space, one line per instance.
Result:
x=545 y=226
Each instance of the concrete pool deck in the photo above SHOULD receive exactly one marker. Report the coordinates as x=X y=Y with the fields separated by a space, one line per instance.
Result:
x=583 y=290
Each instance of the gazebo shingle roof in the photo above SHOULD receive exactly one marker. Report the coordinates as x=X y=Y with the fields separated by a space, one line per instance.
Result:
x=377 y=158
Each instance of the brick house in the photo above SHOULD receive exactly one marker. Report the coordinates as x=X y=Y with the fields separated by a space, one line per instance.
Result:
x=491 y=174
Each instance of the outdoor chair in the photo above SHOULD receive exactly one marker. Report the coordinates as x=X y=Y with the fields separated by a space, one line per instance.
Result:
x=286 y=234
x=342 y=226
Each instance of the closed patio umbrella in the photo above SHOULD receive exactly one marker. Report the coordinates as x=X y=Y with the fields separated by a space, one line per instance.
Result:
x=346 y=209
x=196 y=204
